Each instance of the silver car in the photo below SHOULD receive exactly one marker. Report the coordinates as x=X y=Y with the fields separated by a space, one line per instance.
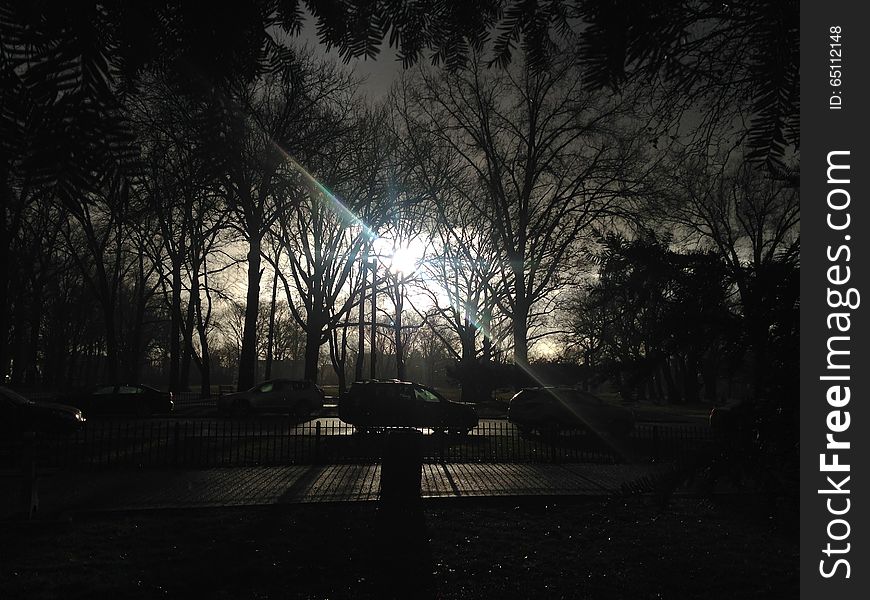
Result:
x=297 y=398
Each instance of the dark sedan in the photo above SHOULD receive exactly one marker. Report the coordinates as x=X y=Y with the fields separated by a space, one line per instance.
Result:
x=19 y=415
x=128 y=399
x=392 y=403
x=298 y=398
x=550 y=409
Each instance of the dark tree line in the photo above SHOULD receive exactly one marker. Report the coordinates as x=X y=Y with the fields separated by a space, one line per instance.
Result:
x=668 y=325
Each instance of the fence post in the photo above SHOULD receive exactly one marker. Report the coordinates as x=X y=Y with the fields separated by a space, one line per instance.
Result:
x=317 y=442
x=175 y=438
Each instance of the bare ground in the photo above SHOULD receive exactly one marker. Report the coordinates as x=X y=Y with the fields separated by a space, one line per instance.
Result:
x=631 y=547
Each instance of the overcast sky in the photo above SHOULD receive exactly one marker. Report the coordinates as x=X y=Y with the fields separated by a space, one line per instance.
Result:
x=379 y=73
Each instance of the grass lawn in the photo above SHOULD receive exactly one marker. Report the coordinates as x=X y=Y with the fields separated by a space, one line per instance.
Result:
x=499 y=548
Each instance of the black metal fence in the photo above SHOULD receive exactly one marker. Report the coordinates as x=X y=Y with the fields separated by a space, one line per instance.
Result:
x=193 y=400
x=167 y=443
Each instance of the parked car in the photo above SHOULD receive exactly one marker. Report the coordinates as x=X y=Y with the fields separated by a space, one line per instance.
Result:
x=298 y=398
x=393 y=403
x=18 y=415
x=550 y=409
x=127 y=399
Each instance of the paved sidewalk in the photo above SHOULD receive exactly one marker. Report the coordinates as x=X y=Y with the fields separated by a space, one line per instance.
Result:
x=245 y=486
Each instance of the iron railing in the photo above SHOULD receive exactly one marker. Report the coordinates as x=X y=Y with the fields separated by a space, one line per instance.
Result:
x=210 y=442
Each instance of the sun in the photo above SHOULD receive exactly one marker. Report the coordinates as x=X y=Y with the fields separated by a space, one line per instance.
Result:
x=406 y=259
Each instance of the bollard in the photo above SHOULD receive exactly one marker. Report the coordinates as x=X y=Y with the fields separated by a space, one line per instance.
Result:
x=401 y=467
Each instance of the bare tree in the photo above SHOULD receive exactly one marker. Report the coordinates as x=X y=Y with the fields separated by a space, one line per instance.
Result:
x=290 y=112
x=334 y=217
x=541 y=160
x=751 y=217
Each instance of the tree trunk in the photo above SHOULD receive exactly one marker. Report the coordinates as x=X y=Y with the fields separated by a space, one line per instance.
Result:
x=521 y=349
x=373 y=361
x=312 y=353
x=466 y=362
x=205 y=355
x=135 y=345
x=673 y=393
x=17 y=350
x=271 y=334
x=361 y=329
x=397 y=333
x=520 y=321
x=710 y=374
x=175 y=329
x=338 y=354
x=188 y=355
x=111 y=345
x=690 y=379
x=5 y=241
x=248 y=353
x=107 y=300
x=31 y=375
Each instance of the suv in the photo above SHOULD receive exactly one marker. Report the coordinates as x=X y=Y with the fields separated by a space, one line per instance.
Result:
x=298 y=398
x=393 y=403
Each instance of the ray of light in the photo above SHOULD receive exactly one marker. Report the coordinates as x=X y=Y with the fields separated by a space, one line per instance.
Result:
x=620 y=446
x=344 y=213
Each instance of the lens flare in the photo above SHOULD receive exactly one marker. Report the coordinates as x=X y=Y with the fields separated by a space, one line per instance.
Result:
x=346 y=215
x=619 y=446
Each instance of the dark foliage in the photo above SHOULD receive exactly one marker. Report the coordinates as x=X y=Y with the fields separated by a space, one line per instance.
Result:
x=744 y=52
x=660 y=317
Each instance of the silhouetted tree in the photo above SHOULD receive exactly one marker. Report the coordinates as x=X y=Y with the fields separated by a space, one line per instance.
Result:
x=334 y=216
x=654 y=316
x=751 y=219
x=266 y=126
x=177 y=188
x=541 y=160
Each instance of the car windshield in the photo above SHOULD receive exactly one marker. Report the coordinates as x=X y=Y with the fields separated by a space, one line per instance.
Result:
x=426 y=395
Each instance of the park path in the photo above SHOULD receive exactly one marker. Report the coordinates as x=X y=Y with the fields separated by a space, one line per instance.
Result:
x=61 y=491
